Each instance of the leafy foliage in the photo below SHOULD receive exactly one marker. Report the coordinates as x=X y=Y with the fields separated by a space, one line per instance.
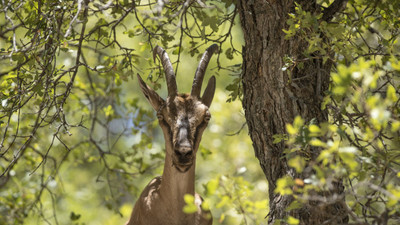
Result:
x=359 y=145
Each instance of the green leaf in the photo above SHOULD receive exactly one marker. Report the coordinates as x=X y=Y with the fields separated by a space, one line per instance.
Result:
x=108 y=111
x=229 y=53
x=224 y=200
x=294 y=205
x=318 y=143
x=38 y=88
x=19 y=57
x=205 y=205
x=279 y=138
x=298 y=163
x=190 y=206
x=391 y=93
x=291 y=130
x=177 y=50
x=293 y=221
x=212 y=186
x=347 y=155
x=227 y=3
x=74 y=217
x=205 y=152
x=314 y=129
x=298 y=122
x=284 y=186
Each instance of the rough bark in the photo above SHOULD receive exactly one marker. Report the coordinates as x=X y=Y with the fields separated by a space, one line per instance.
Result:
x=271 y=100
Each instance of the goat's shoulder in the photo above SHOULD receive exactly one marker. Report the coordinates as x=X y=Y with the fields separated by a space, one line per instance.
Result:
x=146 y=202
x=150 y=193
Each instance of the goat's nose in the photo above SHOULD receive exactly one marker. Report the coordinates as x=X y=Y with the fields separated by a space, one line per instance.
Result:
x=183 y=147
x=184 y=153
x=183 y=150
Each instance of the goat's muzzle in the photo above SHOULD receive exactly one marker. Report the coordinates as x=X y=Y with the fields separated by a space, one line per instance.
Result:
x=183 y=157
x=184 y=154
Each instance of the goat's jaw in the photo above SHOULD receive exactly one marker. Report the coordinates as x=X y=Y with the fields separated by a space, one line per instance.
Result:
x=182 y=167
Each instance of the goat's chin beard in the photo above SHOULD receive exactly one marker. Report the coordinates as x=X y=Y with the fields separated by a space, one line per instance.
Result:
x=183 y=168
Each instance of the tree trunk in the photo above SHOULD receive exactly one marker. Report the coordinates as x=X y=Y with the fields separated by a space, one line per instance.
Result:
x=271 y=99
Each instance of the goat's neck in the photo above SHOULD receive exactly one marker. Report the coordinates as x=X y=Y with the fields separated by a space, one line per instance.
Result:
x=175 y=184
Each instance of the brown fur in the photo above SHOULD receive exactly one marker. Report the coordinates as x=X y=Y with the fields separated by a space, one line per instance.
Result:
x=182 y=118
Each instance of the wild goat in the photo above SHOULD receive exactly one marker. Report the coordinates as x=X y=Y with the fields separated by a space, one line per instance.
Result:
x=182 y=118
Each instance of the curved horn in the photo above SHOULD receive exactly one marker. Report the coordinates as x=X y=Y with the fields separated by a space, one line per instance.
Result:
x=201 y=69
x=169 y=70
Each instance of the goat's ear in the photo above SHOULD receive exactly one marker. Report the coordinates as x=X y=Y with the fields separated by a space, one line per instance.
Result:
x=209 y=92
x=155 y=100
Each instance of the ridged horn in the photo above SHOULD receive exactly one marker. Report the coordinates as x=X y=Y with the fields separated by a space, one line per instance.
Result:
x=201 y=69
x=168 y=69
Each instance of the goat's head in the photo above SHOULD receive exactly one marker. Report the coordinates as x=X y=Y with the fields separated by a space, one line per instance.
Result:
x=182 y=117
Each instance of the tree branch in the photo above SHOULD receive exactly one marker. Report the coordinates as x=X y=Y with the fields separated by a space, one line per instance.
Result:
x=336 y=6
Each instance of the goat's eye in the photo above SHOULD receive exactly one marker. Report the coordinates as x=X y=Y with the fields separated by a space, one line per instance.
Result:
x=160 y=116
